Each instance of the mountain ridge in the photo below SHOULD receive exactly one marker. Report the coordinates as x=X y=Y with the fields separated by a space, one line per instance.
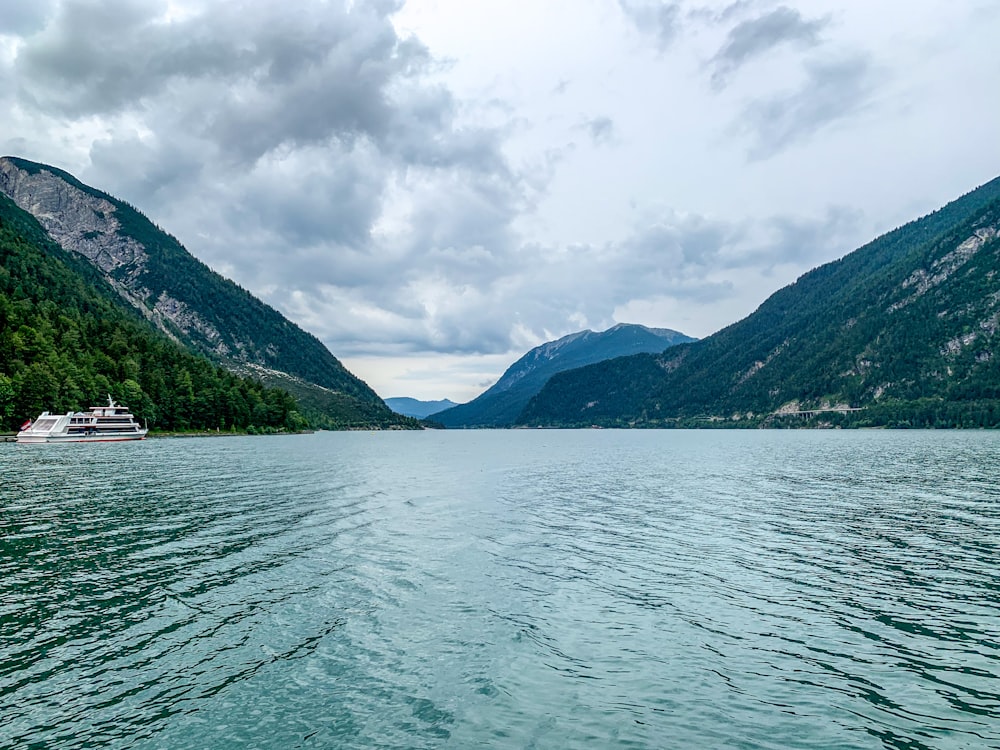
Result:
x=412 y=407
x=888 y=327
x=500 y=404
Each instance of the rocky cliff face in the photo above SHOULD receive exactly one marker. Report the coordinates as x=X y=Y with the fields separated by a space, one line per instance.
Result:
x=88 y=224
x=76 y=220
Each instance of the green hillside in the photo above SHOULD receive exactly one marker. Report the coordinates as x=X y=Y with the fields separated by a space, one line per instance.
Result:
x=905 y=330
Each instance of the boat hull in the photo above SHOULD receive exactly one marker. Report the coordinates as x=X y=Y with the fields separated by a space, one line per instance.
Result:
x=79 y=438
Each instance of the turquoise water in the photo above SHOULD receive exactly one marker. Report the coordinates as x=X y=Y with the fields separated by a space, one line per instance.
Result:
x=523 y=589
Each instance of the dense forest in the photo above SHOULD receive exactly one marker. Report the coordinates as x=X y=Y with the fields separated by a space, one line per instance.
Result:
x=906 y=330
x=67 y=341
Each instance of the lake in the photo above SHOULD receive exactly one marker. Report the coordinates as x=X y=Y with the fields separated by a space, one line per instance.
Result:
x=521 y=589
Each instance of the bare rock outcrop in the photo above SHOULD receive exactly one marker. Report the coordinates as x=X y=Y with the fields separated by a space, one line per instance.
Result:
x=77 y=220
x=88 y=224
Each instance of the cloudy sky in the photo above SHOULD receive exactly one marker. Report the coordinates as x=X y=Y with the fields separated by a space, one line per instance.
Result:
x=433 y=187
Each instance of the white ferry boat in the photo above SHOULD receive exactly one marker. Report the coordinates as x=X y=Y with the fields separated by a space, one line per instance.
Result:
x=101 y=424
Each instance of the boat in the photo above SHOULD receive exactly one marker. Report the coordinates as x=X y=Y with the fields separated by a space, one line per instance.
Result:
x=102 y=424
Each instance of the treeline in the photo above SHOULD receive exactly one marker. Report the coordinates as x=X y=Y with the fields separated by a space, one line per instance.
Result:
x=919 y=414
x=65 y=345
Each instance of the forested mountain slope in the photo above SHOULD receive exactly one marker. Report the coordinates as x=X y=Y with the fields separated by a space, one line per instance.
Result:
x=500 y=405
x=904 y=329
x=66 y=342
x=186 y=300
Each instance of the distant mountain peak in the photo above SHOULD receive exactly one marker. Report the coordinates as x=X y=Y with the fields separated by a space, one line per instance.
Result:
x=501 y=404
x=416 y=408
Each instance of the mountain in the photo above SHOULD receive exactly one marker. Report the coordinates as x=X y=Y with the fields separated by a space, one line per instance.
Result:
x=67 y=340
x=186 y=300
x=412 y=407
x=500 y=405
x=906 y=330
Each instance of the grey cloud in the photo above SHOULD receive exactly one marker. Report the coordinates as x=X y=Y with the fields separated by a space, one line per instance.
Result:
x=97 y=57
x=833 y=90
x=463 y=228
x=675 y=255
x=601 y=129
x=249 y=93
x=726 y=13
x=324 y=197
x=698 y=243
x=21 y=17
x=319 y=206
x=459 y=298
x=251 y=82
x=141 y=172
x=420 y=132
x=489 y=334
x=659 y=20
x=735 y=9
x=669 y=256
x=701 y=292
x=485 y=294
x=466 y=320
x=797 y=241
x=676 y=244
x=753 y=38
x=329 y=83
x=809 y=241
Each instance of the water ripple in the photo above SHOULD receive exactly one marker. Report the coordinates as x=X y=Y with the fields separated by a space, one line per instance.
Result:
x=525 y=589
